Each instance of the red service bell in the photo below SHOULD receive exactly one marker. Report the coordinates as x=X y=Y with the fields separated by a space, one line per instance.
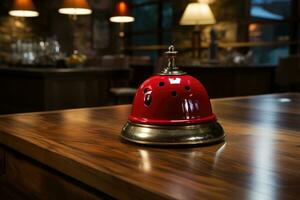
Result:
x=172 y=108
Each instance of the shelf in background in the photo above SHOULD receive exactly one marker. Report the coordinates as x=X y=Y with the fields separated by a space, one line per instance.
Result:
x=221 y=45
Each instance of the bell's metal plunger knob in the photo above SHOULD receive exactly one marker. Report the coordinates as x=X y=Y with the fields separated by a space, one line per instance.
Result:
x=171 y=69
x=171 y=57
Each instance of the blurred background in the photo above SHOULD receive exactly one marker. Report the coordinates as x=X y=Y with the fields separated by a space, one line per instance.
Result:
x=59 y=54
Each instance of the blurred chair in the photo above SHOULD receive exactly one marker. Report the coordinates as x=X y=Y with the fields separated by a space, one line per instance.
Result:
x=126 y=94
x=288 y=74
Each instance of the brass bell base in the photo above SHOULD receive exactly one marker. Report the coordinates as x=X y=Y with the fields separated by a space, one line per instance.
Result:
x=173 y=135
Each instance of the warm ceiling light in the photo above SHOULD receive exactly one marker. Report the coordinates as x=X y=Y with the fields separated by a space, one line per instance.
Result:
x=75 y=11
x=75 y=7
x=197 y=14
x=122 y=19
x=23 y=8
x=122 y=13
x=23 y=13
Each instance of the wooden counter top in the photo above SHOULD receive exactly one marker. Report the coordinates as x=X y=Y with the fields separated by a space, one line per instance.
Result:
x=258 y=160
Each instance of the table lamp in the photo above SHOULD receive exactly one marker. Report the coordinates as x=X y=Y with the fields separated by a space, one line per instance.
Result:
x=197 y=14
x=23 y=8
x=122 y=15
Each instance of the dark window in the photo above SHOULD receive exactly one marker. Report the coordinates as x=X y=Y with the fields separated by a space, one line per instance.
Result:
x=146 y=18
x=269 y=55
x=154 y=19
x=137 y=2
x=269 y=32
x=167 y=15
x=268 y=28
x=270 y=24
x=271 y=9
x=144 y=39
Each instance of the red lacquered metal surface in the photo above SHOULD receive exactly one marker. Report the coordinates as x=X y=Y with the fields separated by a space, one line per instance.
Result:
x=172 y=108
x=173 y=99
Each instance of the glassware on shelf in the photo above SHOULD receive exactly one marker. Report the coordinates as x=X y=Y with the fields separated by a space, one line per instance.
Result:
x=236 y=58
x=36 y=52
x=77 y=59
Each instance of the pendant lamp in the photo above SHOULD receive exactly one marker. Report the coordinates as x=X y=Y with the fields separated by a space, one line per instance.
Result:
x=122 y=13
x=75 y=7
x=23 y=8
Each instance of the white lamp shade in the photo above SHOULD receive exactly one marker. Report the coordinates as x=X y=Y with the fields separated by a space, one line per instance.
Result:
x=122 y=19
x=23 y=8
x=197 y=14
x=75 y=11
x=23 y=13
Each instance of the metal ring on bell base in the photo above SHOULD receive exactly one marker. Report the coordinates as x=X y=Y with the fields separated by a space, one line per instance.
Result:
x=173 y=135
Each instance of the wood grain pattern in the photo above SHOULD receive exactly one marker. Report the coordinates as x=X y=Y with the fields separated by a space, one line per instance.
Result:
x=28 y=179
x=2 y=161
x=260 y=158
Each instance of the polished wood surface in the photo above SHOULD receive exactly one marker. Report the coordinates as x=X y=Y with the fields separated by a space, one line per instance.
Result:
x=258 y=160
x=2 y=161
x=25 y=178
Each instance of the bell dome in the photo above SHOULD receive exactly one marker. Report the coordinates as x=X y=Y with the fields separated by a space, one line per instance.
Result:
x=171 y=100
x=172 y=108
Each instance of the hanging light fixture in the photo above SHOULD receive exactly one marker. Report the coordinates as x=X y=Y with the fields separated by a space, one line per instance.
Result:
x=23 y=8
x=122 y=13
x=75 y=7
